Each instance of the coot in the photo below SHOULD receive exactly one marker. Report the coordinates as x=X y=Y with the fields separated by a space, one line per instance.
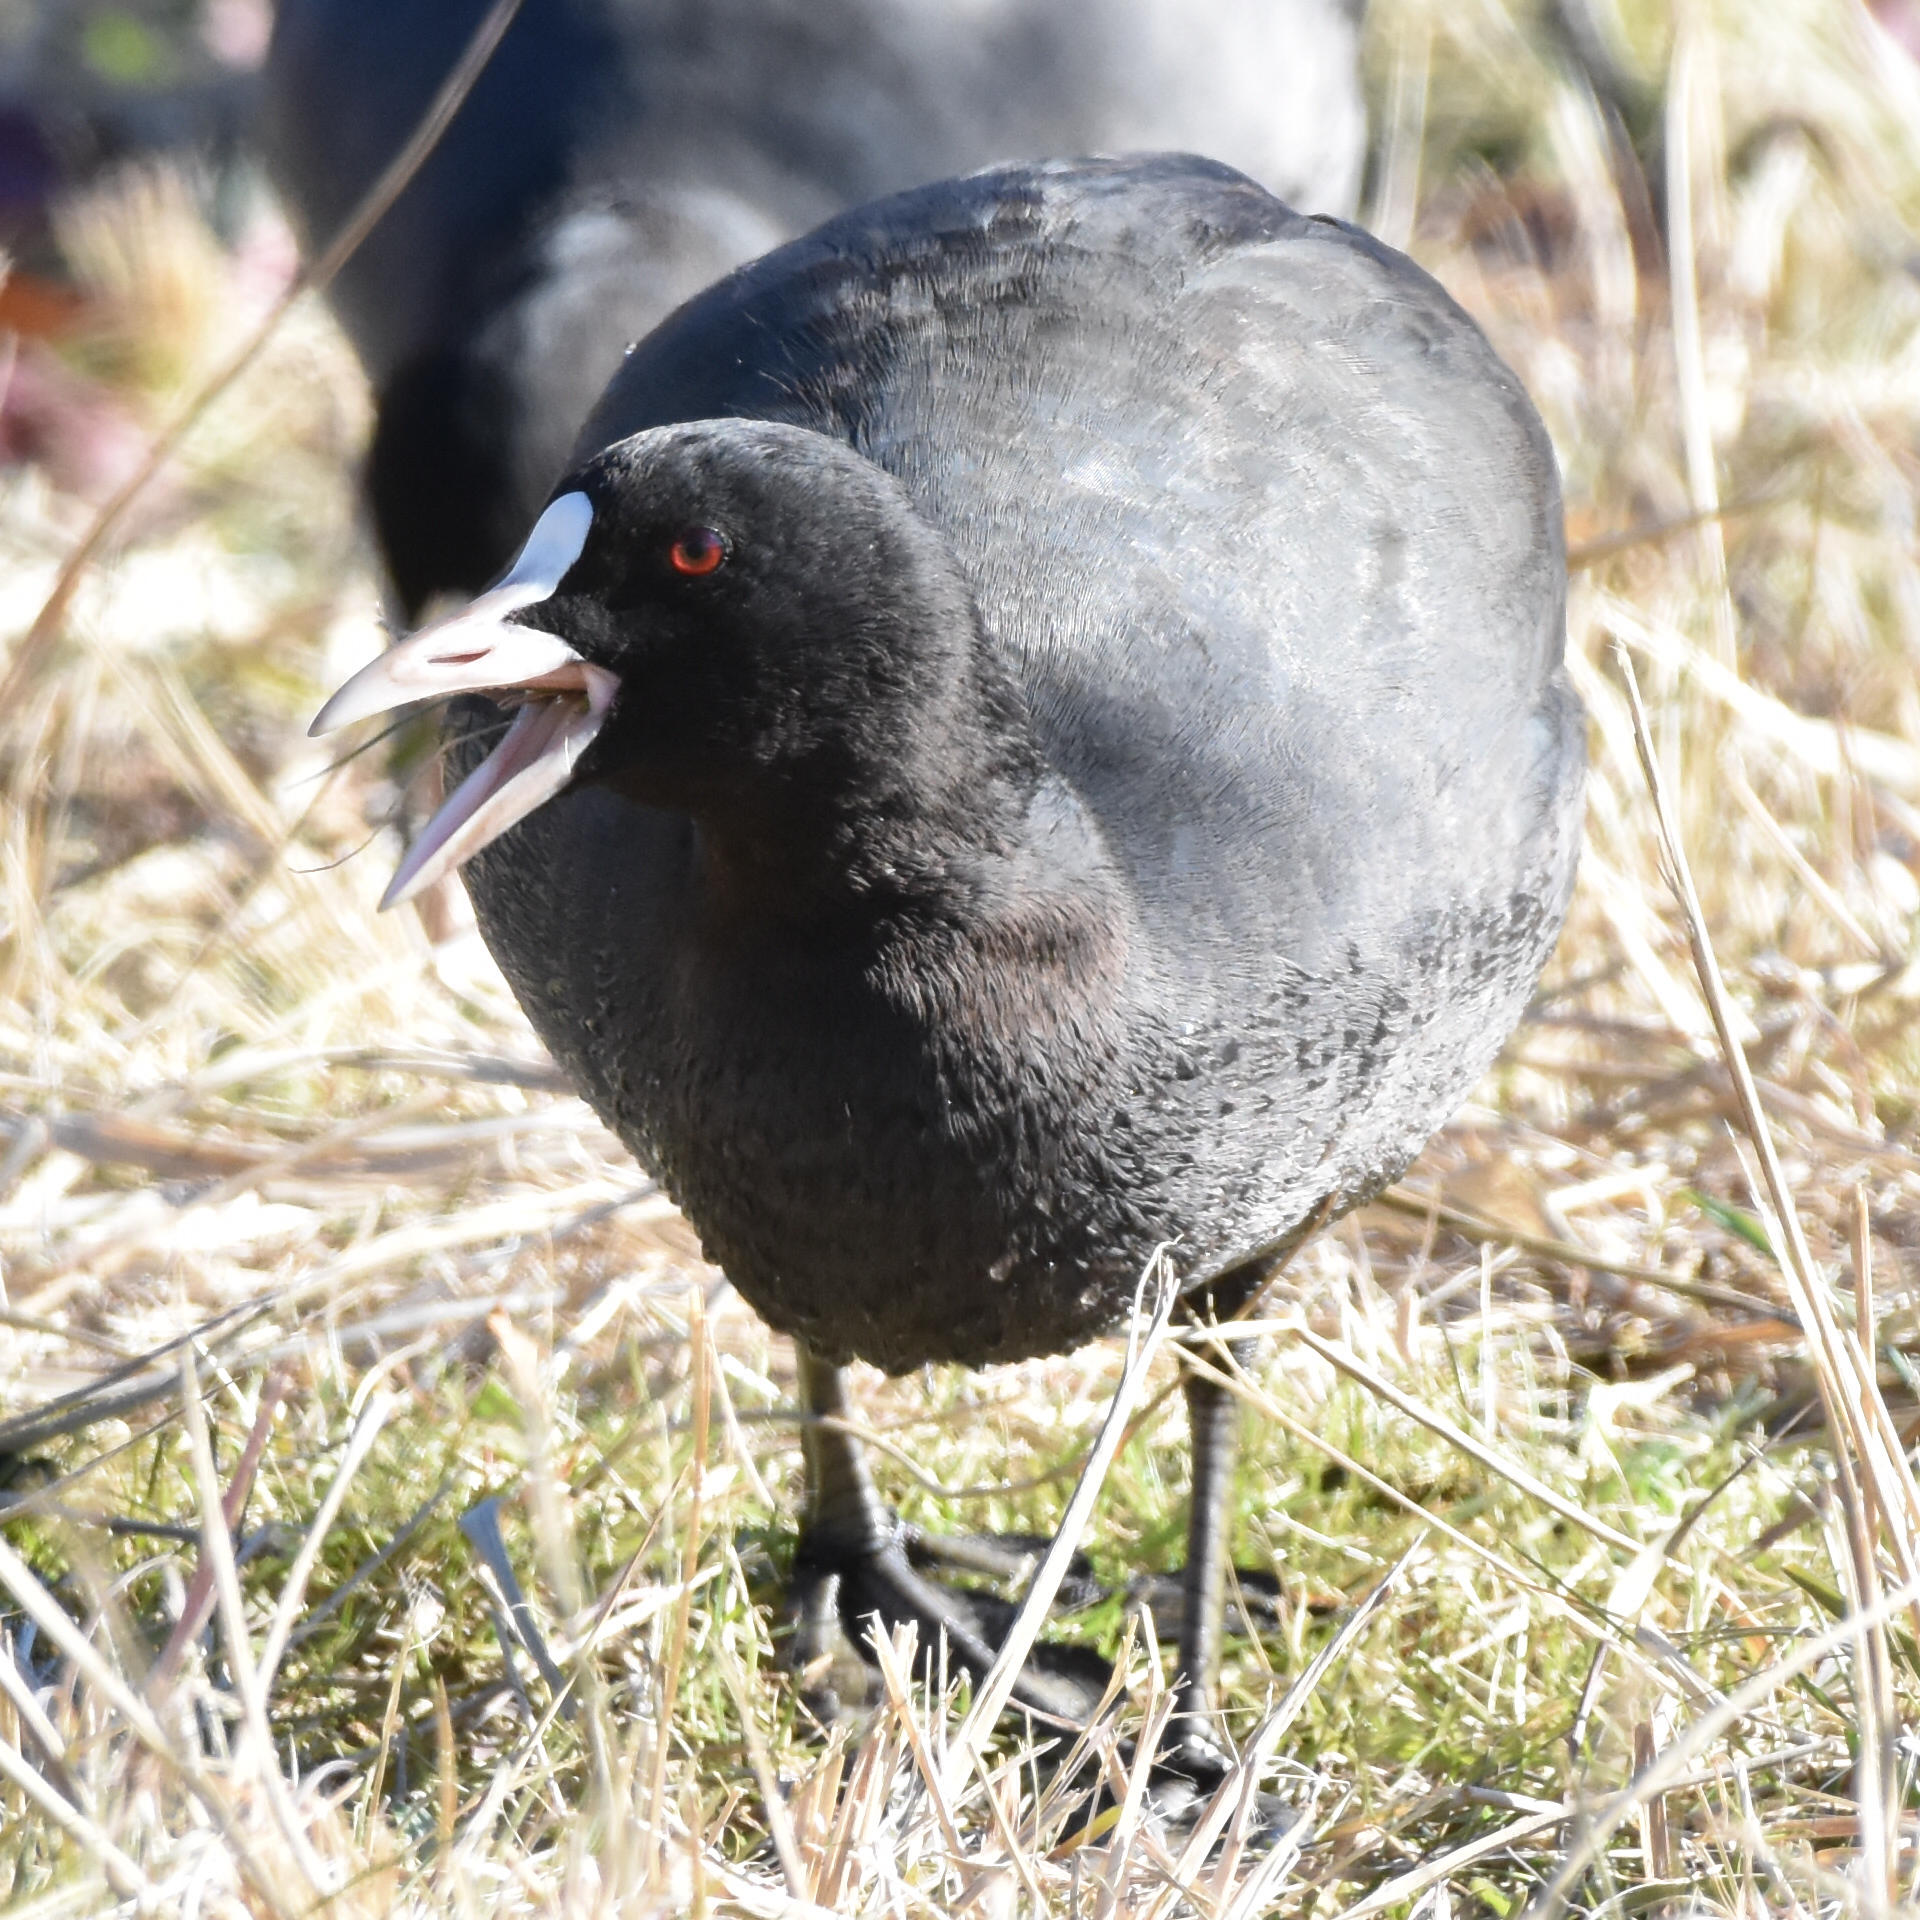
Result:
x=619 y=155
x=1038 y=731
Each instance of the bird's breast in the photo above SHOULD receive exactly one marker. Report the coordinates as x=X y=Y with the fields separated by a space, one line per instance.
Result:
x=904 y=1149
x=916 y=1140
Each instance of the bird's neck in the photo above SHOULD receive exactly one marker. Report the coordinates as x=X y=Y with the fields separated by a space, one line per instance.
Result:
x=915 y=799
x=921 y=837
x=996 y=926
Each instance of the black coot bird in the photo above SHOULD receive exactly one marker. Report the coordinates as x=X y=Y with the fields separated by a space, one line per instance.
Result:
x=617 y=156
x=1038 y=731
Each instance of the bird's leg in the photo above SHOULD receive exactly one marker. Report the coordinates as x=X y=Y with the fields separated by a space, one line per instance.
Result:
x=851 y=1565
x=846 y=1518
x=846 y=1527
x=1213 y=1422
x=1213 y=1418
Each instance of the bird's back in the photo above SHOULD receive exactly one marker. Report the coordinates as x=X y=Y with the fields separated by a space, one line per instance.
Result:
x=1271 y=535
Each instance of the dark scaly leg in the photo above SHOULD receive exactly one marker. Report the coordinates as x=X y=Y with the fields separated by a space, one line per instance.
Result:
x=845 y=1516
x=851 y=1564
x=1213 y=1423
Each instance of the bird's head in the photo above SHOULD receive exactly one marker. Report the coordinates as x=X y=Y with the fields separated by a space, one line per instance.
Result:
x=716 y=617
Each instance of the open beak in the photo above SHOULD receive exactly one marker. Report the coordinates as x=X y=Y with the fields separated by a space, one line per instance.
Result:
x=563 y=699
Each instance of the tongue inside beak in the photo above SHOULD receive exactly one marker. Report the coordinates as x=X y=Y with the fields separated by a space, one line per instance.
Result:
x=562 y=699
x=531 y=764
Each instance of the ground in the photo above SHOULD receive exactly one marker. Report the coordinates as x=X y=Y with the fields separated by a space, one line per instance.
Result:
x=1571 y=1451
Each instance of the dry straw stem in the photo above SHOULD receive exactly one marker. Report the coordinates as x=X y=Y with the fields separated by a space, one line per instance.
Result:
x=997 y=1688
x=1491 y=1232
x=123 y=1873
x=1821 y=746
x=51 y=1619
x=1338 y=1354
x=1863 y=1429
x=772 y=1800
x=201 y=1597
x=35 y=1724
x=894 y=1656
x=1685 y=96
x=1230 y=1373
x=1856 y=1411
x=1232 y=1802
x=690 y=1543
x=293 y=1591
x=1670 y=1766
x=216 y=1543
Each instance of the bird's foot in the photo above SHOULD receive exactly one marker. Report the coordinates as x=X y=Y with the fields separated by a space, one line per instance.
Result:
x=1253 y=1603
x=837 y=1593
x=1189 y=1773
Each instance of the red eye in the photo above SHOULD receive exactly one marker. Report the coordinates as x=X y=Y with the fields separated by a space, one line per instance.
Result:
x=698 y=550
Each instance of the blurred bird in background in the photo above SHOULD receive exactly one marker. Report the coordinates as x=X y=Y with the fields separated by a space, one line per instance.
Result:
x=617 y=156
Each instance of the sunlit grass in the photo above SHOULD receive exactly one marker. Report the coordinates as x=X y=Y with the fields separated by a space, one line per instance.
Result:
x=234 y=1090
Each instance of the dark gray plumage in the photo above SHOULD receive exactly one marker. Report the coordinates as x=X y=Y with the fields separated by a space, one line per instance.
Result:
x=1271 y=767
x=1040 y=731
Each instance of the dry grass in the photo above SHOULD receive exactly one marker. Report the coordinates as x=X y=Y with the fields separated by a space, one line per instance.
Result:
x=434 y=1572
